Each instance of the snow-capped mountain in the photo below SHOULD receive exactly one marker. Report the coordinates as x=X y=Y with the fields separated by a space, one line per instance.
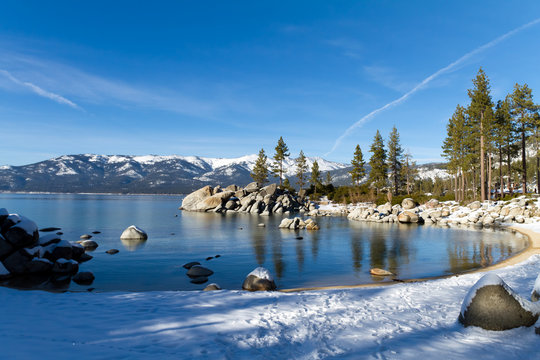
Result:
x=138 y=174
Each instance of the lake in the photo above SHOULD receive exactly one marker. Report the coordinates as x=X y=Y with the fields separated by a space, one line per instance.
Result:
x=340 y=253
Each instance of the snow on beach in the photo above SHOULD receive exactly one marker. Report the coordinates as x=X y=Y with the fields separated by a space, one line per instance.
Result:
x=403 y=321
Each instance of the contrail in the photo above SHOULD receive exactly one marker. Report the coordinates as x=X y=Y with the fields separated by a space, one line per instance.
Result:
x=41 y=92
x=428 y=80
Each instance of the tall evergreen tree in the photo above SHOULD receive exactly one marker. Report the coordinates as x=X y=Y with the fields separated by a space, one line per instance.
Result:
x=455 y=149
x=522 y=109
x=282 y=152
x=504 y=139
x=408 y=171
x=377 y=175
x=395 y=159
x=328 y=179
x=480 y=111
x=358 y=166
x=301 y=169
x=315 y=175
x=260 y=170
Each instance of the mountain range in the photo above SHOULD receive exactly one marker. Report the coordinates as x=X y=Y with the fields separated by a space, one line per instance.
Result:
x=150 y=174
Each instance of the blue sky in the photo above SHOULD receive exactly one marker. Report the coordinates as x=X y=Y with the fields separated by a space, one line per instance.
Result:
x=223 y=79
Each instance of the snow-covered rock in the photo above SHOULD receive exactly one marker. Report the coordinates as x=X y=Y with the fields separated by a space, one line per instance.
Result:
x=133 y=233
x=492 y=305
x=259 y=279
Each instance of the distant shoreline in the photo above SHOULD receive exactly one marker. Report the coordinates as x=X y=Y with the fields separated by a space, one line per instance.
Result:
x=82 y=193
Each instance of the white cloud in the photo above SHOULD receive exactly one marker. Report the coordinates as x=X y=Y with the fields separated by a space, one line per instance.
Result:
x=38 y=90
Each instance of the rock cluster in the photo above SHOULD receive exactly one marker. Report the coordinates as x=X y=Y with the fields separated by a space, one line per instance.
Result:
x=492 y=305
x=297 y=223
x=251 y=199
x=24 y=252
x=478 y=214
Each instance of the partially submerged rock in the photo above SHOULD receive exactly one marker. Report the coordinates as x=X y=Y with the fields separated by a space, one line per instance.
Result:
x=84 y=278
x=259 y=279
x=198 y=270
x=492 y=305
x=380 y=272
x=133 y=233
x=189 y=265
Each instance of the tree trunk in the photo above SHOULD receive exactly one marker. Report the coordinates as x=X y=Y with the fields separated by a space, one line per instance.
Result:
x=489 y=177
x=523 y=159
x=456 y=186
x=509 y=163
x=501 y=183
x=482 y=160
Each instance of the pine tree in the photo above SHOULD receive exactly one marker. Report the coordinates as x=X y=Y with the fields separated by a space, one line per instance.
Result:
x=408 y=171
x=455 y=149
x=395 y=158
x=301 y=169
x=480 y=111
x=358 y=166
x=328 y=180
x=377 y=175
x=522 y=109
x=504 y=139
x=260 y=170
x=282 y=152
x=315 y=175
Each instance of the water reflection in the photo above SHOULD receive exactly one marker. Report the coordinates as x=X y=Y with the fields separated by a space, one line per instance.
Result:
x=356 y=251
x=277 y=255
x=300 y=254
x=133 y=244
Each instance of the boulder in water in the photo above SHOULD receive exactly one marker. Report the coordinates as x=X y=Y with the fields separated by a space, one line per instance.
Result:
x=259 y=279
x=133 y=233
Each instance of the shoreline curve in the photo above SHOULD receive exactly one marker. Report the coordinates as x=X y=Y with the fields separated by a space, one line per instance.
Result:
x=532 y=249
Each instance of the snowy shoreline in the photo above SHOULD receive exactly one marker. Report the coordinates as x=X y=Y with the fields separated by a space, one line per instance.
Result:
x=402 y=321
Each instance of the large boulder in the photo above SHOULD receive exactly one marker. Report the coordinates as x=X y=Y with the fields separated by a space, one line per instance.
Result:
x=84 y=278
x=23 y=233
x=64 y=266
x=133 y=233
x=252 y=187
x=408 y=204
x=432 y=204
x=6 y=247
x=285 y=223
x=407 y=217
x=214 y=201
x=492 y=305
x=190 y=201
x=475 y=205
x=259 y=279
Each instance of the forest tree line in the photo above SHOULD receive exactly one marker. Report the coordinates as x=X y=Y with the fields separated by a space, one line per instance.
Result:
x=487 y=143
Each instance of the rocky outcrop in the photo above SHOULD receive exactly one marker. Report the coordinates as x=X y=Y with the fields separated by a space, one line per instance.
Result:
x=492 y=305
x=259 y=280
x=449 y=213
x=251 y=199
x=23 y=252
x=297 y=223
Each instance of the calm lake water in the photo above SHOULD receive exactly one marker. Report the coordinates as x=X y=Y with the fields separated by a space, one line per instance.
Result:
x=340 y=253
